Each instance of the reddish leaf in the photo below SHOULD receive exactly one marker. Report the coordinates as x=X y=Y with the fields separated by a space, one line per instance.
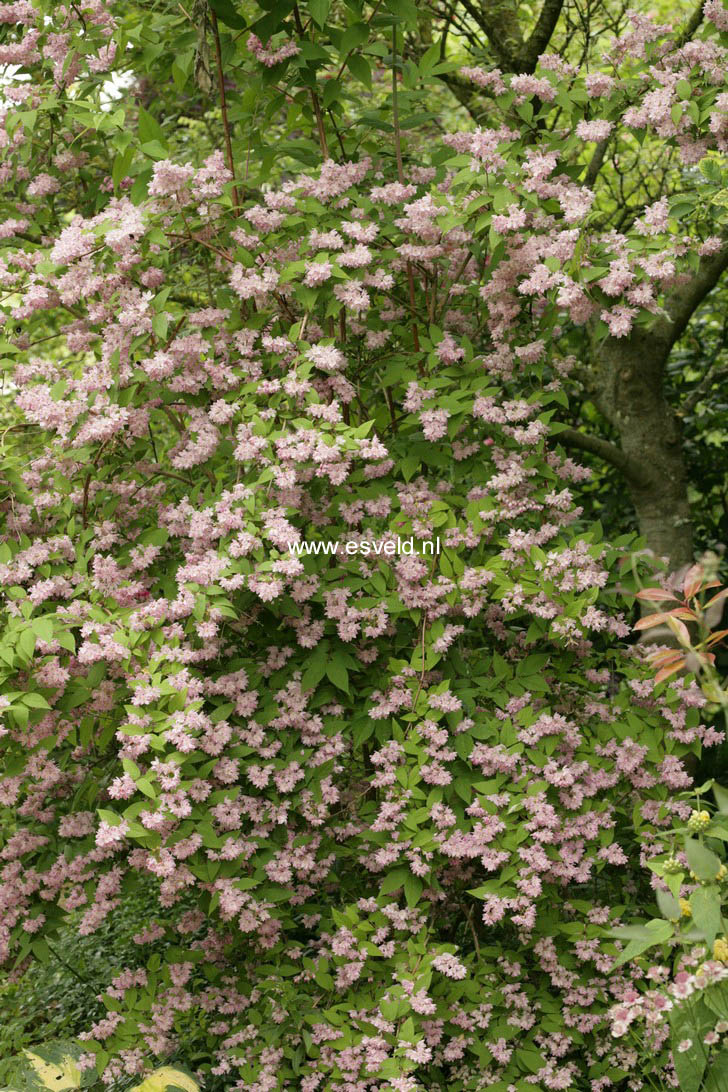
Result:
x=666 y=656
x=721 y=595
x=693 y=581
x=715 y=637
x=679 y=629
x=651 y=620
x=683 y=612
x=667 y=671
x=655 y=595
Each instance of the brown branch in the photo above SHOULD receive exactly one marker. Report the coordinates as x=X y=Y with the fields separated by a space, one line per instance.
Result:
x=314 y=97
x=400 y=176
x=469 y=916
x=683 y=301
x=84 y=510
x=336 y=130
x=595 y=163
x=223 y=107
x=540 y=36
x=610 y=453
x=203 y=242
x=499 y=20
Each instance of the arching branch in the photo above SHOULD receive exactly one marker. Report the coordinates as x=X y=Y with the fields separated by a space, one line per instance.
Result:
x=610 y=453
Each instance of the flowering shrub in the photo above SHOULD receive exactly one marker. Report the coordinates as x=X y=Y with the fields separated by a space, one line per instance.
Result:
x=692 y=893
x=387 y=809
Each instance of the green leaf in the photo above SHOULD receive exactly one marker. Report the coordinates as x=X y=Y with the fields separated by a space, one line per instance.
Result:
x=145 y=785
x=154 y=149
x=167 y=1079
x=721 y=798
x=66 y=640
x=332 y=92
x=394 y=880
x=690 y=1024
x=404 y=11
x=353 y=37
x=338 y=674
x=179 y=76
x=324 y=980
x=412 y=889
x=43 y=628
x=705 y=907
x=227 y=14
x=361 y=69
x=221 y=712
x=26 y=643
x=716 y=998
x=319 y=11
x=149 y=128
x=272 y=21
x=34 y=701
x=122 y=163
x=429 y=59
x=51 y=1065
x=642 y=937
x=669 y=906
x=716 y=1080
x=316 y=669
x=703 y=862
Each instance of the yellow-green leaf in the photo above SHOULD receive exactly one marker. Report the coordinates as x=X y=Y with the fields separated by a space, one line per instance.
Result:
x=167 y=1078
x=62 y=1076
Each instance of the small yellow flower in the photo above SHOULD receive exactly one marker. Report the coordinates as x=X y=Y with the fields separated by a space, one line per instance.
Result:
x=685 y=908
x=720 y=950
x=721 y=873
x=698 y=821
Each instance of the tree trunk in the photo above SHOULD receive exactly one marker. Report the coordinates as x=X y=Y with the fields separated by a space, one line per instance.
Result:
x=628 y=390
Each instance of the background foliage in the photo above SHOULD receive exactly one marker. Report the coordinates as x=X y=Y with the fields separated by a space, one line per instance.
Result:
x=339 y=270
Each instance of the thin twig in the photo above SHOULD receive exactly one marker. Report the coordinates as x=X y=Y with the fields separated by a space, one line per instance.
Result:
x=400 y=176
x=68 y=966
x=223 y=107
x=469 y=916
x=314 y=97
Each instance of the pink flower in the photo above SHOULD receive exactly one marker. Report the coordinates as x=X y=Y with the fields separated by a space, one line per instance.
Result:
x=270 y=57
x=594 y=130
x=434 y=423
x=448 y=965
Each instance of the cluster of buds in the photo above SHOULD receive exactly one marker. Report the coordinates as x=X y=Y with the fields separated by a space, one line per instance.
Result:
x=699 y=821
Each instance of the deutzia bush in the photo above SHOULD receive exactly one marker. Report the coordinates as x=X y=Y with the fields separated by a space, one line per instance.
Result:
x=392 y=808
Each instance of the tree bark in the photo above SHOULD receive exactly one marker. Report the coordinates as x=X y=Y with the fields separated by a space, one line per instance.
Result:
x=629 y=393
